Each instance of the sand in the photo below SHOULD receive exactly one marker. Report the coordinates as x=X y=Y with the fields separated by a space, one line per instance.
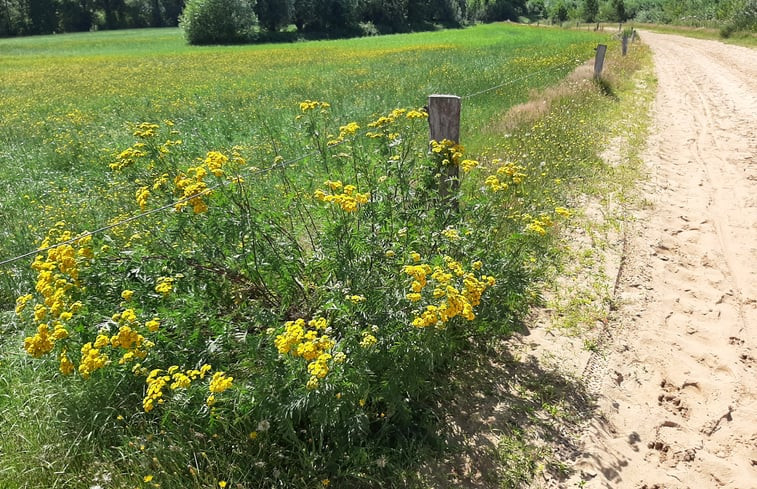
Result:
x=677 y=399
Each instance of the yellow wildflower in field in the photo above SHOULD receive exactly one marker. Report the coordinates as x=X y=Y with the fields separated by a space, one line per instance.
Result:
x=153 y=324
x=66 y=365
x=302 y=340
x=417 y=114
x=456 y=292
x=91 y=360
x=468 y=165
x=451 y=234
x=127 y=295
x=215 y=162
x=368 y=340
x=220 y=382
x=348 y=200
x=127 y=157
x=449 y=151
x=164 y=286
x=309 y=105
x=143 y=193
x=22 y=301
x=41 y=343
x=145 y=130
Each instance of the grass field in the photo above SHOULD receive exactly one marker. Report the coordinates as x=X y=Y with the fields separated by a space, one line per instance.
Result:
x=267 y=327
x=66 y=100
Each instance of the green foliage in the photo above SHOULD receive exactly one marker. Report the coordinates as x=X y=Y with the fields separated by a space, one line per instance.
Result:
x=559 y=12
x=741 y=15
x=499 y=10
x=590 y=10
x=217 y=21
x=274 y=14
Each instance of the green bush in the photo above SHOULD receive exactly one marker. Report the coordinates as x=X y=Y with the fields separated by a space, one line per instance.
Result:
x=217 y=21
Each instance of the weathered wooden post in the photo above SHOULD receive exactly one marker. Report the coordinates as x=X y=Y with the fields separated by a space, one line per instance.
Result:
x=624 y=44
x=444 y=123
x=599 y=60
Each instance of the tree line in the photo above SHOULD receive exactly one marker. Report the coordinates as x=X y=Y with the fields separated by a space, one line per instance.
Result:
x=243 y=20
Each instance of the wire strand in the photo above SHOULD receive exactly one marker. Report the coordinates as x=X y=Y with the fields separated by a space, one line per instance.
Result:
x=514 y=80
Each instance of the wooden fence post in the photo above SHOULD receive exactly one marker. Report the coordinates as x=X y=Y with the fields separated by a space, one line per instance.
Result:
x=444 y=123
x=624 y=44
x=599 y=60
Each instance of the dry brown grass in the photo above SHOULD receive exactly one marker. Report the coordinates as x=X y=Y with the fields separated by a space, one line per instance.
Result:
x=540 y=101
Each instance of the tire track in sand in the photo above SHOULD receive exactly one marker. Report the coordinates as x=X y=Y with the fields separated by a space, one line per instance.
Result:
x=681 y=411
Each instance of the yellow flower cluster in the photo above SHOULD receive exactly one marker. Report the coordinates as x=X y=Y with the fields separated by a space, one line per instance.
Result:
x=215 y=162
x=143 y=193
x=348 y=199
x=145 y=130
x=164 y=285
x=92 y=359
x=384 y=122
x=191 y=186
x=303 y=340
x=451 y=234
x=128 y=157
x=175 y=379
x=57 y=279
x=309 y=105
x=368 y=340
x=507 y=174
x=448 y=151
x=219 y=383
x=344 y=131
x=455 y=291
x=396 y=114
x=539 y=224
x=468 y=165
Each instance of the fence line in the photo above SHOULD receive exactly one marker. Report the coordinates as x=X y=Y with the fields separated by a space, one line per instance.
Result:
x=207 y=190
x=514 y=80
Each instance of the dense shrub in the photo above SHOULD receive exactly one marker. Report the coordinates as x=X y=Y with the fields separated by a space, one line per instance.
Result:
x=217 y=21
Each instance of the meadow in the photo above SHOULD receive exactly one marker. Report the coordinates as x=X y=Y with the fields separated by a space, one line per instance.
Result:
x=276 y=285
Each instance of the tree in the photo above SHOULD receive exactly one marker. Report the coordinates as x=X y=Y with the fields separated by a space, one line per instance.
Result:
x=389 y=13
x=535 y=9
x=42 y=17
x=274 y=14
x=620 y=10
x=75 y=15
x=591 y=9
x=217 y=21
x=559 y=13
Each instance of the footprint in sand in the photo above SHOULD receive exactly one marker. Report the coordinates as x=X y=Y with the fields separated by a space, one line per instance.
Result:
x=671 y=400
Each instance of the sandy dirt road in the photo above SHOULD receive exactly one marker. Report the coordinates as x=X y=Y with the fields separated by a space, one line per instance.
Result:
x=678 y=400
